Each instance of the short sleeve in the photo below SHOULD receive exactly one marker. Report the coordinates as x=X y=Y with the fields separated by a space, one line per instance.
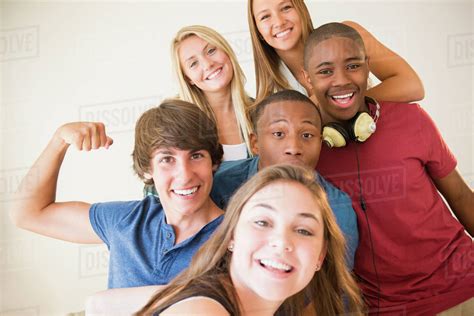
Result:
x=104 y=217
x=440 y=161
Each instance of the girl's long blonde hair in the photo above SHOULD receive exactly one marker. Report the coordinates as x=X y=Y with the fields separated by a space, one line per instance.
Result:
x=191 y=93
x=267 y=62
x=208 y=272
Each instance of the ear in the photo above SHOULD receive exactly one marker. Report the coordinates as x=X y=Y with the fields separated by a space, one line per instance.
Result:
x=307 y=78
x=147 y=176
x=254 y=143
x=322 y=255
x=230 y=247
x=215 y=167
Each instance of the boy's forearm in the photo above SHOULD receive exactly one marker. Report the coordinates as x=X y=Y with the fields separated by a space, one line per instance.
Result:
x=460 y=198
x=37 y=190
x=463 y=208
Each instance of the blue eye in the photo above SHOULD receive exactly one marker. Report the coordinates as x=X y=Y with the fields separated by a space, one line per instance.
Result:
x=193 y=64
x=304 y=232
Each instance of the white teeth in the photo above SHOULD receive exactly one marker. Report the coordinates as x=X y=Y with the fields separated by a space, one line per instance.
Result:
x=214 y=74
x=281 y=34
x=343 y=96
x=275 y=265
x=186 y=192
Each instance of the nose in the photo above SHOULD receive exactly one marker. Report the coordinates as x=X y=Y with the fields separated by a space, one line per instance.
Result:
x=293 y=146
x=278 y=20
x=206 y=63
x=340 y=78
x=183 y=171
x=281 y=242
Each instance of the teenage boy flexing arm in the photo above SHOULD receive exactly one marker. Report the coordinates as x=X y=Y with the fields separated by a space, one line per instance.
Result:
x=151 y=240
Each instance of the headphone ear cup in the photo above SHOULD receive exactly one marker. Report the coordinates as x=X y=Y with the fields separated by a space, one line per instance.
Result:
x=335 y=135
x=362 y=126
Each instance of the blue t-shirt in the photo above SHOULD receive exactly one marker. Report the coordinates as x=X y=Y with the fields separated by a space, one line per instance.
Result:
x=232 y=174
x=141 y=244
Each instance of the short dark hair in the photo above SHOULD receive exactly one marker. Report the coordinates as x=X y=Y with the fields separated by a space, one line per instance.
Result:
x=174 y=123
x=283 y=95
x=327 y=31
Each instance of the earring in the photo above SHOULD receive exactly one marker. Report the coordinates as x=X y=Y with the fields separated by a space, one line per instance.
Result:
x=318 y=267
x=230 y=247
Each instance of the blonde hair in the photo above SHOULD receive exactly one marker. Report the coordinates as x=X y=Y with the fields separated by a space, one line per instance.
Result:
x=267 y=62
x=209 y=268
x=191 y=93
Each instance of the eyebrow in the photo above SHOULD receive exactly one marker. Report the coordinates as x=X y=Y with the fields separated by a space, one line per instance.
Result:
x=163 y=152
x=283 y=120
x=302 y=214
x=328 y=63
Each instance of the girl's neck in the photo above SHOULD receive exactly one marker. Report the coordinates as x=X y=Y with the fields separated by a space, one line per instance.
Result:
x=220 y=101
x=252 y=304
x=293 y=59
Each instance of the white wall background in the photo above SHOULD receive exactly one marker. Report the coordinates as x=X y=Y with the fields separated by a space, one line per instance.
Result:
x=109 y=61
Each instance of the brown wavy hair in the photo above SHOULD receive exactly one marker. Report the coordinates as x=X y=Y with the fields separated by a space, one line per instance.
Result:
x=174 y=123
x=209 y=269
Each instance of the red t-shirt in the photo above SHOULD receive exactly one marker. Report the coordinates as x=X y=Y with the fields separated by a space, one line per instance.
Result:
x=423 y=256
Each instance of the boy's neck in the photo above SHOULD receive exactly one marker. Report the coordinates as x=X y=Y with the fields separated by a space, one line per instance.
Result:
x=185 y=226
x=328 y=119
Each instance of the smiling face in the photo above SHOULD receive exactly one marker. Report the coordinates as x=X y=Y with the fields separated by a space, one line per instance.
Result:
x=278 y=242
x=278 y=22
x=288 y=132
x=183 y=180
x=337 y=69
x=205 y=65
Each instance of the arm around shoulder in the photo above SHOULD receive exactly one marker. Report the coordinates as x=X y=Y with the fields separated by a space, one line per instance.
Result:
x=399 y=81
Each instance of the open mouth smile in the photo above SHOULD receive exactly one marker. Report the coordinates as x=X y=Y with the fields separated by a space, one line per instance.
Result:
x=275 y=266
x=186 y=192
x=214 y=74
x=283 y=33
x=343 y=100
